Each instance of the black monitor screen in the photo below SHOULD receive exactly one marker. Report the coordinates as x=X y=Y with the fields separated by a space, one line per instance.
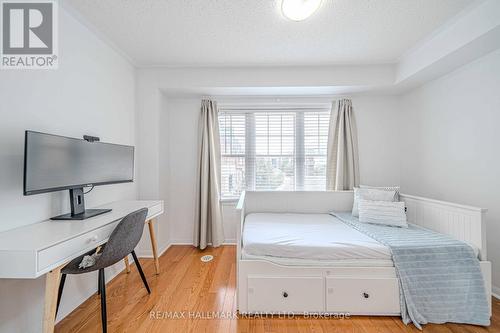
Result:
x=53 y=163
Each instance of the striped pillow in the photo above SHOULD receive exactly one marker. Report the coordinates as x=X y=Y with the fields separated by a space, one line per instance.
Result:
x=382 y=212
x=370 y=194
x=384 y=188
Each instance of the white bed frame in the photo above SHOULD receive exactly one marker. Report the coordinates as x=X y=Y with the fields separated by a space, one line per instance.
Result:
x=270 y=288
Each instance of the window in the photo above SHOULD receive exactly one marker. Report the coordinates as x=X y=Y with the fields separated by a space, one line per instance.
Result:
x=233 y=138
x=273 y=150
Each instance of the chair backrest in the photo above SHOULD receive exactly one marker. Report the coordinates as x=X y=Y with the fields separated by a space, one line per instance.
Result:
x=124 y=238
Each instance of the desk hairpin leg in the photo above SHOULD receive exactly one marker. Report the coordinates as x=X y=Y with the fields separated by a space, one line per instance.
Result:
x=127 y=264
x=52 y=279
x=152 y=236
x=154 y=245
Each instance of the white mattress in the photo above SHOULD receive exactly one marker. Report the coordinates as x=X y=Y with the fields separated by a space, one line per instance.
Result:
x=309 y=239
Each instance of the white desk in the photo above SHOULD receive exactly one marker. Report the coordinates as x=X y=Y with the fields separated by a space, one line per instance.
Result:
x=44 y=248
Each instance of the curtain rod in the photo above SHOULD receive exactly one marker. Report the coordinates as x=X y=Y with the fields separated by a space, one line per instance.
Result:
x=264 y=108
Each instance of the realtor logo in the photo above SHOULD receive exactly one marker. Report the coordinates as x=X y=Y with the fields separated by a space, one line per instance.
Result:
x=29 y=34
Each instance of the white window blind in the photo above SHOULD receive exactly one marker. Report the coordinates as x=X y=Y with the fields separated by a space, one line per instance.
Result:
x=315 y=146
x=233 y=148
x=273 y=150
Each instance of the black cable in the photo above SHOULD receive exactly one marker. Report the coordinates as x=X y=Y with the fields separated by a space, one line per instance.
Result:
x=89 y=190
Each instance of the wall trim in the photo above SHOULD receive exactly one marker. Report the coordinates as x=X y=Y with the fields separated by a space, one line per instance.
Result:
x=495 y=291
x=190 y=242
x=181 y=242
x=149 y=253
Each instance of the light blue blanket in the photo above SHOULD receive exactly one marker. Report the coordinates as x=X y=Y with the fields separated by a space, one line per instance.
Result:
x=440 y=278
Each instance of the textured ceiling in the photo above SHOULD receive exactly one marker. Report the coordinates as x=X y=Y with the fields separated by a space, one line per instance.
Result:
x=253 y=32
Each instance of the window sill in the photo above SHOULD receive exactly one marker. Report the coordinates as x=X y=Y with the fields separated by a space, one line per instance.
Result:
x=228 y=200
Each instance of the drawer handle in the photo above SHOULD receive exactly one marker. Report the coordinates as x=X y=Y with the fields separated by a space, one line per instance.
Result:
x=366 y=295
x=285 y=294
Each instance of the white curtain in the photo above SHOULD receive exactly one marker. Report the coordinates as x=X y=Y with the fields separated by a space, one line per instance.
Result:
x=342 y=166
x=208 y=223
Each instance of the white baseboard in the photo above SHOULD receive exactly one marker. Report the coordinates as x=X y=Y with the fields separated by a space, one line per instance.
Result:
x=495 y=291
x=149 y=254
x=181 y=242
x=190 y=242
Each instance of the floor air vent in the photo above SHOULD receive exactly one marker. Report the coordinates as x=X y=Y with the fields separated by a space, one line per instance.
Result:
x=207 y=258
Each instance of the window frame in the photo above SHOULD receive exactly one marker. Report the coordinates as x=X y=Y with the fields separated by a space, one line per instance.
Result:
x=299 y=109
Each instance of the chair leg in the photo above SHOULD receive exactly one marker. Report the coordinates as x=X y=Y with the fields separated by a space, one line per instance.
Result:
x=139 y=268
x=102 y=286
x=99 y=284
x=59 y=292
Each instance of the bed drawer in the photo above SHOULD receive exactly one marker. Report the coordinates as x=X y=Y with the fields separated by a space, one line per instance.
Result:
x=72 y=247
x=286 y=294
x=362 y=296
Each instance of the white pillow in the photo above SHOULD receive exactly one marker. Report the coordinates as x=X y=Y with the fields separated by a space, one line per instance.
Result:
x=383 y=212
x=370 y=194
x=385 y=188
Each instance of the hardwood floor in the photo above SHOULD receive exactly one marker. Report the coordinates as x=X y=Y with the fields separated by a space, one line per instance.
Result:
x=187 y=293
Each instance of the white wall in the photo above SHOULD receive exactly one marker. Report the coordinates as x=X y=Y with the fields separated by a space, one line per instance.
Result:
x=92 y=92
x=451 y=143
x=178 y=163
x=178 y=150
x=377 y=122
x=377 y=119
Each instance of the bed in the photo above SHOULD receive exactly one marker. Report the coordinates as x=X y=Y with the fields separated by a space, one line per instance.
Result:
x=294 y=257
x=309 y=239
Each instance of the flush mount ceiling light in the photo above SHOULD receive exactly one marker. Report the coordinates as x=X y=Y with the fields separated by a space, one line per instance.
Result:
x=298 y=10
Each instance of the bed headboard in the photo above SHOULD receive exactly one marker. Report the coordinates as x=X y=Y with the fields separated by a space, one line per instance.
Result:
x=462 y=222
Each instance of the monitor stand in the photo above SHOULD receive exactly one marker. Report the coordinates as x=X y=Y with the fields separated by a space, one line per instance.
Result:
x=78 y=211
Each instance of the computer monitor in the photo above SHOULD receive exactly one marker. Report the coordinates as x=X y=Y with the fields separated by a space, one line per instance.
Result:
x=55 y=163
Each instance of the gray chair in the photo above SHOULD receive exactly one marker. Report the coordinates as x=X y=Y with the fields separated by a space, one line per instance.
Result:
x=121 y=243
